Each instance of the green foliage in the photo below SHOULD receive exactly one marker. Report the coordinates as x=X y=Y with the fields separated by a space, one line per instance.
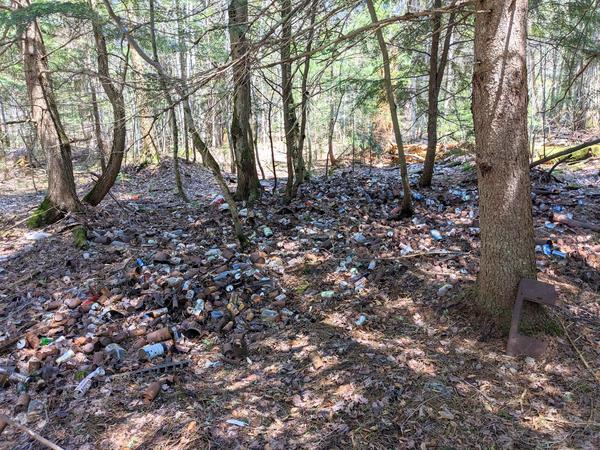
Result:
x=19 y=18
x=369 y=141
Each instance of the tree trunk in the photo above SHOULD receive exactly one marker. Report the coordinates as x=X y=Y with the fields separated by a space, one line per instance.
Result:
x=248 y=187
x=98 y=127
x=5 y=135
x=333 y=115
x=175 y=131
x=500 y=120
x=149 y=152
x=254 y=139
x=437 y=66
x=293 y=135
x=61 y=196
x=183 y=70
x=406 y=208
x=172 y=115
x=271 y=146
x=115 y=96
x=305 y=93
x=290 y=121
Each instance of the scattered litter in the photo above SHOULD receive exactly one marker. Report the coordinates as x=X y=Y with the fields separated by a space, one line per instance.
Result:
x=238 y=423
x=444 y=290
x=361 y=320
x=37 y=236
x=65 y=356
x=151 y=392
x=151 y=351
x=86 y=383
x=435 y=234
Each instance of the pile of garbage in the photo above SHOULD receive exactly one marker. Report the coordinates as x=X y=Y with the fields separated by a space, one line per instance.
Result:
x=152 y=313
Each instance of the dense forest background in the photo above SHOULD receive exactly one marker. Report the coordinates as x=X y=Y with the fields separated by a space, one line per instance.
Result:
x=345 y=96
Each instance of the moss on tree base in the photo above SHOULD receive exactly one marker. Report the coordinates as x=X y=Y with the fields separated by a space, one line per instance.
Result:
x=45 y=214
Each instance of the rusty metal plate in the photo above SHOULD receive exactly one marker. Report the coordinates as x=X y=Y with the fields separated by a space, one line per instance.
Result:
x=536 y=292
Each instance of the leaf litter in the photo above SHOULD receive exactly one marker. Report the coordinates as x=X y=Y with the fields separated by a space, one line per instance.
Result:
x=340 y=326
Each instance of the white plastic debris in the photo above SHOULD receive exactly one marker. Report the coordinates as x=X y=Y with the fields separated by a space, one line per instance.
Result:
x=359 y=237
x=237 y=423
x=86 y=383
x=37 y=235
x=65 y=356
x=444 y=290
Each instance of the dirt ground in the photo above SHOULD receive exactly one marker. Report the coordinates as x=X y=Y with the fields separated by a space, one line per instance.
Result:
x=339 y=328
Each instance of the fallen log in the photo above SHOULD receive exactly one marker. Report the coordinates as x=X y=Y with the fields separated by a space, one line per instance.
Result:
x=564 y=152
x=562 y=218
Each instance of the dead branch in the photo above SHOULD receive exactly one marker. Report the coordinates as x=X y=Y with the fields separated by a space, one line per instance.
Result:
x=564 y=152
x=562 y=218
x=30 y=432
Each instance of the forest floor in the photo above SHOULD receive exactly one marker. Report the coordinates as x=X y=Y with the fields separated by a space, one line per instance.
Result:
x=340 y=328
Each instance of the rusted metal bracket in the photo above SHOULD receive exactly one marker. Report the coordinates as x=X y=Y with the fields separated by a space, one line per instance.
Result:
x=536 y=292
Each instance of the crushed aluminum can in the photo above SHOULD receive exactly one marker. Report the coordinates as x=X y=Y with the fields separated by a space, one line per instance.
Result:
x=86 y=383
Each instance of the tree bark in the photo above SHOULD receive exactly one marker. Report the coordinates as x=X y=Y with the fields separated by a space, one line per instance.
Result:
x=333 y=114
x=98 y=127
x=500 y=119
x=182 y=69
x=271 y=146
x=304 y=88
x=248 y=187
x=406 y=208
x=290 y=121
x=115 y=97
x=149 y=151
x=61 y=196
x=437 y=66
x=5 y=135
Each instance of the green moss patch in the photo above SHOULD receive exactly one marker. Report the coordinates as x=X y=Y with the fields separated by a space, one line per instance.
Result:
x=45 y=214
x=80 y=237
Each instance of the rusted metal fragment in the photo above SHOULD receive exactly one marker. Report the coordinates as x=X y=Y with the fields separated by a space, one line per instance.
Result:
x=536 y=292
x=151 y=392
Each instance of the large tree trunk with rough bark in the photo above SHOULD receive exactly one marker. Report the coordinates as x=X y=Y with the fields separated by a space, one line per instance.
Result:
x=437 y=66
x=115 y=96
x=502 y=159
x=248 y=187
x=61 y=196
x=406 y=207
